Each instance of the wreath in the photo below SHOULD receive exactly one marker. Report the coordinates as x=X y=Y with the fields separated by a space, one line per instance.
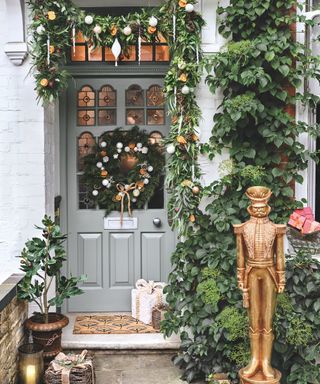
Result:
x=124 y=170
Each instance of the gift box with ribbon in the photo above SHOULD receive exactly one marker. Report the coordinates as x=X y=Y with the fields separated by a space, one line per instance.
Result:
x=70 y=369
x=144 y=298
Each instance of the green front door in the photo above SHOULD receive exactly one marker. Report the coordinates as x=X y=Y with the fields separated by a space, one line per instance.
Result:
x=113 y=258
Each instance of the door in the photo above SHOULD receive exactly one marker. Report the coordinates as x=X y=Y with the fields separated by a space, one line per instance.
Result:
x=113 y=259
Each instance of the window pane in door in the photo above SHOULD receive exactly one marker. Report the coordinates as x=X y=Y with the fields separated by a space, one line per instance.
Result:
x=95 y=54
x=79 y=54
x=134 y=96
x=85 y=197
x=157 y=200
x=86 y=117
x=155 y=96
x=107 y=97
x=135 y=116
x=86 y=97
x=107 y=117
x=86 y=146
x=147 y=53
x=155 y=117
x=162 y=53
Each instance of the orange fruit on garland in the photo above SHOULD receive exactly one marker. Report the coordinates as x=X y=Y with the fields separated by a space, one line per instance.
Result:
x=104 y=173
x=151 y=30
x=142 y=171
x=114 y=30
x=44 y=82
x=51 y=49
x=51 y=15
x=182 y=3
x=140 y=184
x=181 y=140
x=118 y=197
x=183 y=77
x=192 y=218
x=131 y=145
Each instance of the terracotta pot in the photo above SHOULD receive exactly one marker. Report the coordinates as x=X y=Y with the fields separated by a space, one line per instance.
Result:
x=47 y=334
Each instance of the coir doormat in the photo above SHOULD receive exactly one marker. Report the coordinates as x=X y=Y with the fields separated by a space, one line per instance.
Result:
x=110 y=324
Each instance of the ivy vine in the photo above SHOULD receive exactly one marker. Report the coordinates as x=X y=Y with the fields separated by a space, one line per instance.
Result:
x=259 y=71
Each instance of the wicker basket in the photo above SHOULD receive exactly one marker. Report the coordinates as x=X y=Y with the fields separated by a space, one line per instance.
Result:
x=300 y=242
x=158 y=315
x=82 y=373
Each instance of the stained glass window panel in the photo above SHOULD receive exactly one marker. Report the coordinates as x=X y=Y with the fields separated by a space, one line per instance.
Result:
x=85 y=196
x=147 y=52
x=135 y=116
x=162 y=53
x=155 y=96
x=86 y=97
x=130 y=54
x=107 y=117
x=134 y=96
x=79 y=54
x=155 y=117
x=95 y=54
x=86 y=146
x=108 y=56
x=107 y=97
x=86 y=117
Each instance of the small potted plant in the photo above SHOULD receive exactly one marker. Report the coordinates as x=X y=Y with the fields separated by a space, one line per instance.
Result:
x=41 y=260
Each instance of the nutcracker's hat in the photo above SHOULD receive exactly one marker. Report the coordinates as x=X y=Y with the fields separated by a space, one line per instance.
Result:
x=259 y=196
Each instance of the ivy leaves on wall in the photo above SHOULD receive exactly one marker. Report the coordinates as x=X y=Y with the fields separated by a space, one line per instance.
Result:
x=54 y=26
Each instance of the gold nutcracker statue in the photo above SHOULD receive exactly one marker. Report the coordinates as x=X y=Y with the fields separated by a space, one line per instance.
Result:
x=261 y=275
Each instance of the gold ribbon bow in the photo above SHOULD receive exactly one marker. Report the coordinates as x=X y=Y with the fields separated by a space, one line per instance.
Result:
x=64 y=363
x=124 y=192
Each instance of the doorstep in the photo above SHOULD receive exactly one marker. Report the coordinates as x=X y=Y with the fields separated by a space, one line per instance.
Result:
x=143 y=341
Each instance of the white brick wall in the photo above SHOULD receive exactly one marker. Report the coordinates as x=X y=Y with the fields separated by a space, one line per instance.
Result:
x=22 y=192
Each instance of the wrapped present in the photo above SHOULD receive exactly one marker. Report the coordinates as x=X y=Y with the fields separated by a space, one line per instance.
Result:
x=158 y=315
x=144 y=298
x=296 y=220
x=306 y=212
x=310 y=226
x=70 y=369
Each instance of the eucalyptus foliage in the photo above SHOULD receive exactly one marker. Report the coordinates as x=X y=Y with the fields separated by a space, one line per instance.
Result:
x=41 y=260
x=260 y=72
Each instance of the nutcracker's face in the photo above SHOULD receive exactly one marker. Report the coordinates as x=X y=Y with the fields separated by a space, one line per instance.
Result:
x=259 y=211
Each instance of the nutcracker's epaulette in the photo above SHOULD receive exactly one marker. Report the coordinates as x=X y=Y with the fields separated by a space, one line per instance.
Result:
x=238 y=228
x=281 y=229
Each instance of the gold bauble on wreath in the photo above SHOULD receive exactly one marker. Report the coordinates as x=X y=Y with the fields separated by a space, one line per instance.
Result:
x=127 y=163
x=195 y=190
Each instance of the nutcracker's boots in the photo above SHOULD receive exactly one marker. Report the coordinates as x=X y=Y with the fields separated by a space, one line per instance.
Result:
x=266 y=351
x=253 y=366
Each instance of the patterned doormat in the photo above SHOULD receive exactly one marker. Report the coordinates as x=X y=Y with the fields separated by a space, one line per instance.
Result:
x=110 y=324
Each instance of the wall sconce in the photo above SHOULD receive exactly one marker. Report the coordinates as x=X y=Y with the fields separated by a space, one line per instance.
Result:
x=30 y=363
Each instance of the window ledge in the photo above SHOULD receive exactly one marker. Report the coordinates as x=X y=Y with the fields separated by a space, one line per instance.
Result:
x=16 y=52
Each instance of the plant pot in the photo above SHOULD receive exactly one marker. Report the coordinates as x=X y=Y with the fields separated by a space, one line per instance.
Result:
x=47 y=334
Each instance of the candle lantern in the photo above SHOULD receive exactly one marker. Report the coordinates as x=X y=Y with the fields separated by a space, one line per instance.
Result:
x=30 y=364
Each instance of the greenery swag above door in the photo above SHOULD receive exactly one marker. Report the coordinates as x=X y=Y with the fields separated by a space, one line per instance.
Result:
x=54 y=27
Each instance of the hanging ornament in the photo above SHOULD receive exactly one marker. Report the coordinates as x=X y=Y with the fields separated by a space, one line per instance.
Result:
x=174 y=24
x=139 y=42
x=88 y=19
x=180 y=123
x=197 y=54
x=193 y=172
x=153 y=21
x=103 y=144
x=136 y=192
x=40 y=30
x=185 y=90
x=195 y=190
x=189 y=8
x=73 y=39
x=127 y=30
x=97 y=29
x=95 y=192
x=48 y=50
x=175 y=96
x=171 y=149
x=116 y=50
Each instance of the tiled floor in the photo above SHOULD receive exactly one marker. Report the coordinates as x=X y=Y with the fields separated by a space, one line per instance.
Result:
x=136 y=368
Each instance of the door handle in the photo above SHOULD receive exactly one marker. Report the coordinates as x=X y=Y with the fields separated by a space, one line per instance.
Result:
x=157 y=222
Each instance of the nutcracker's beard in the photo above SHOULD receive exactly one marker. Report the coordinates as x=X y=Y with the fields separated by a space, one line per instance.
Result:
x=259 y=212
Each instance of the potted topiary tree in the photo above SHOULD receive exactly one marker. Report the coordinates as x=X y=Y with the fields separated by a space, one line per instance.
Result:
x=41 y=260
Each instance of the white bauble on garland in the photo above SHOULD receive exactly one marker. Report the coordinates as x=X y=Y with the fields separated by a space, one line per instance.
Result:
x=185 y=90
x=136 y=192
x=127 y=30
x=171 y=149
x=99 y=164
x=88 y=19
x=189 y=8
x=144 y=150
x=127 y=149
x=139 y=145
x=119 y=145
x=105 y=159
x=41 y=30
x=182 y=64
x=97 y=29
x=105 y=182
x=115 y=156
x=103 y=144
x=146 y=181
x=153 y=21
x=95 y=192
x=150 y=168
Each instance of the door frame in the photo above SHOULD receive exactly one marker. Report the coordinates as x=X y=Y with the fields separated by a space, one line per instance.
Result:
x=94 y=70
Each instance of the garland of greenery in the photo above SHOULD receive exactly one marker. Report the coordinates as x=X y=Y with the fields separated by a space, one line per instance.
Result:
x=257 y=71
x=123 y=169
x=54 y=22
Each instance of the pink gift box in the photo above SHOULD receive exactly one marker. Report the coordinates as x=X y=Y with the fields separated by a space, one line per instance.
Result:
x=310 y=226
x=306 y=212
x=296 y=220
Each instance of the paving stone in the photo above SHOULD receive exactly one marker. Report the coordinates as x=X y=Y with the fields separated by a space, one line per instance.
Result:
x=108 y=377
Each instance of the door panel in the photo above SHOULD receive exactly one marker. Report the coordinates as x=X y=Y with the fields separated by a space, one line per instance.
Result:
x=113 y=259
